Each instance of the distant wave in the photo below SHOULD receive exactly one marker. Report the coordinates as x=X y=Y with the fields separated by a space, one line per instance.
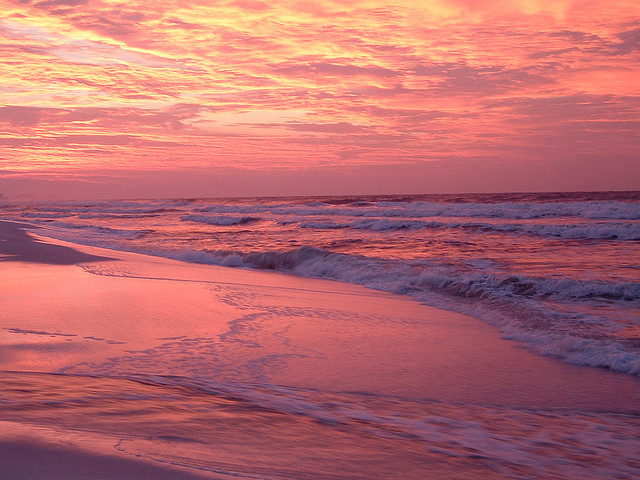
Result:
x=94 y=209
x=611 y=210
x=49 y=214
x=594 y=231
x=592 y=210
x=88 y=216
x=220 y=220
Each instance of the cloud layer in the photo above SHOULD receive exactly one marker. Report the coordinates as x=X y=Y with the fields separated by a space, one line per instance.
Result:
x=90 y=85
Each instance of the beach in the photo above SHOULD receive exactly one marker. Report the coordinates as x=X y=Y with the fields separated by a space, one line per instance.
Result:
x=118 y=365
x=319 y=240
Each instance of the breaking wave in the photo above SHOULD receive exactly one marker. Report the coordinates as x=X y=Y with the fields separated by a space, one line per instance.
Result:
x=522 y=307
x=400 y=276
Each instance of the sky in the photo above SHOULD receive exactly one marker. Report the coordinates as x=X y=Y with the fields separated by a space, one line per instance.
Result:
x=136 y=99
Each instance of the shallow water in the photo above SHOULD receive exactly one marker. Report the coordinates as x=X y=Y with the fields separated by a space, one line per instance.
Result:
x=306 y=434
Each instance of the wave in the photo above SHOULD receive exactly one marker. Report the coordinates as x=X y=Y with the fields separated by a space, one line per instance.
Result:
x=520 y=306
x=45 y=215
x=603 y=230
x=219 y=220
x=598 y=231
x=512 y=286
x=523 y=206
x=404 y=277
x=593 y=210
x=88 y=216
x=397 y=276
x=377 y=225
x=95 y=209
x=595 y=231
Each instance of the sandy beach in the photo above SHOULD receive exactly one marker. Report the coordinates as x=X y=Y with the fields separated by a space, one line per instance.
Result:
x=368 y=240
x=118 y=365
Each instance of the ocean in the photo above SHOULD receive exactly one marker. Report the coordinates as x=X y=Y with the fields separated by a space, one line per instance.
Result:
x=557 y=273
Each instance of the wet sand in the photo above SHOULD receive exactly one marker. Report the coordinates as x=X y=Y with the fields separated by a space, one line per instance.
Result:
x=27 y=458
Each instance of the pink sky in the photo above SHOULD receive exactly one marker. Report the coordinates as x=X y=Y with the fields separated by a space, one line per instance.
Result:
x=103 y=98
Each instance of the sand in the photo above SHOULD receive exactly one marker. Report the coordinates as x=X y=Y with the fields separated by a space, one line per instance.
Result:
x=27 y=458
x=83 y=310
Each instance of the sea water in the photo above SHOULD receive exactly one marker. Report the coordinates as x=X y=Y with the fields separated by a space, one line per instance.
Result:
x=559 y=272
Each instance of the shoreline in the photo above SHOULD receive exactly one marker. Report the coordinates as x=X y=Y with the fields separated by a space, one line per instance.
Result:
x=288 y=348
x=470 y=343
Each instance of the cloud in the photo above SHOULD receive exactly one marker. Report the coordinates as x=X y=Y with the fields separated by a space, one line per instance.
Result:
x=325 y=69
x=337 y=128
x=91 y=117
x=340 y=127
x=17 y=115
x=629 y=41
x=293 y=84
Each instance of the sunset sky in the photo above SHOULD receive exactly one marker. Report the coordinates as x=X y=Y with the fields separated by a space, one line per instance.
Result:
x=103 y=98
